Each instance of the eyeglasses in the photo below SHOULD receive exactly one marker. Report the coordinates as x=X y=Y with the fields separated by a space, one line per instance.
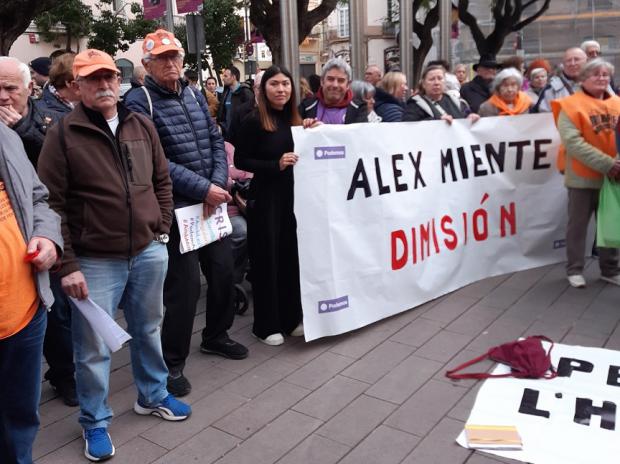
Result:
x=95 y=78
x=167 y=57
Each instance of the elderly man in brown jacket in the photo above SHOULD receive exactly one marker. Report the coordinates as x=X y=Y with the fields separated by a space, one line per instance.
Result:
x=108 y=179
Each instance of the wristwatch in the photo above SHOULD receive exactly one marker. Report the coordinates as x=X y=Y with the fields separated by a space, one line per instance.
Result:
x=162 y=238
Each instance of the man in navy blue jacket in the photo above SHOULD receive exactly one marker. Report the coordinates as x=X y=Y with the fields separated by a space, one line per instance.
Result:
x=199 y=172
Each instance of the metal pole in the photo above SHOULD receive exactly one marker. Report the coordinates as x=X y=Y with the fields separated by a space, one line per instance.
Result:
x=358 y=45
x=170 y=15
x=199 y=67
x=289 y=27
x=406 y=34
x=445 y=29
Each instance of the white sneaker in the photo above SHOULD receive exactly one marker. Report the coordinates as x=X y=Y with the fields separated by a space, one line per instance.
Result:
x=298 y=331
x=577 y=281
x=612 y=280
x=273 y=339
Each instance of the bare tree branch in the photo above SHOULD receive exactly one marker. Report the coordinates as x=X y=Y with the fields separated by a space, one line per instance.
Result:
x=265 y=15
x=534 y=17
x=472 y=22
x=507 y=16
x=424 y=31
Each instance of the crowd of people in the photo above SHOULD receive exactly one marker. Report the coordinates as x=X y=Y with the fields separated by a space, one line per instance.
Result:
x=89 y=182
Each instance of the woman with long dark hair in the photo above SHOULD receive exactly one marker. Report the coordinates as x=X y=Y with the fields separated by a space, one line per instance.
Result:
x=265 y=147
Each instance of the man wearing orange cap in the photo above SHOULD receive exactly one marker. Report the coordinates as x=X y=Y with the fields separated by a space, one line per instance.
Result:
x=199 y=172
x=108 y=180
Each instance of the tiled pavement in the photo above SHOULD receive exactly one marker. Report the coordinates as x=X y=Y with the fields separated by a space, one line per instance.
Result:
x=377 y=395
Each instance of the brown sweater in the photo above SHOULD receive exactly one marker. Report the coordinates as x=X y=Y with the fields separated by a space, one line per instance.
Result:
x=113 y=194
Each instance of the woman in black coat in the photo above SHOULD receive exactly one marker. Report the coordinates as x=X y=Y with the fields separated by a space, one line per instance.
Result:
x=265 y=147
x=433 y=102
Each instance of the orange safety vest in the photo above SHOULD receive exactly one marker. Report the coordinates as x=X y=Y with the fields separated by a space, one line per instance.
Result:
x=596 y=120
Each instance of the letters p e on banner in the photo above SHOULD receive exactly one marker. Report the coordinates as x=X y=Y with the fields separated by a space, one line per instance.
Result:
x=393 y=215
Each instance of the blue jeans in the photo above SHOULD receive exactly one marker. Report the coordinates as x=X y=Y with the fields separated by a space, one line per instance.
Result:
x=20 y=390
x=136 y=286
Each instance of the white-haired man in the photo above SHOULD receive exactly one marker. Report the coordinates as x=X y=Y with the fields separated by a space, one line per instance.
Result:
x=199 y=171
x=591 y=48
x=564 y=84
x=17 y=108
x=373 y=74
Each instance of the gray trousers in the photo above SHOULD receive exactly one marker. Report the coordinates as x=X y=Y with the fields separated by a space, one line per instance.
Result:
x=581 y=204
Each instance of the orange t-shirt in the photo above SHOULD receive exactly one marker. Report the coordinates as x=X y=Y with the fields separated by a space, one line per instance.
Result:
x=18 y=294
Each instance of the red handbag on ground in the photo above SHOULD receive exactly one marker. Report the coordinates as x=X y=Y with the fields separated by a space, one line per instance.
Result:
x=526 y=358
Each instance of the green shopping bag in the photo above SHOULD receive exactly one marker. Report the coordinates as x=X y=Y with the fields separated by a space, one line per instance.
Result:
x=608 y=215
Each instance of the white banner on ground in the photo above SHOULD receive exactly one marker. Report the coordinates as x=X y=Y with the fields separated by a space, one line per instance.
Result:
x=572 y=419
x=393 y=215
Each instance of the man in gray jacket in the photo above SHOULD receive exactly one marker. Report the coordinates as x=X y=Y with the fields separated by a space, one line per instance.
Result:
x=30 y=244
x=565 y=83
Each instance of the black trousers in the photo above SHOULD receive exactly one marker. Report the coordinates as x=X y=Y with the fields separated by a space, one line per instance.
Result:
x=182 y=290
x=272 y=240
x=57 y=346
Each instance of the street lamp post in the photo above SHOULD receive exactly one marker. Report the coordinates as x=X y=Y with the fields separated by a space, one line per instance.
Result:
x=406 y=46
x=445 y=29
x=170 y=15
x=358 y=47
x=290 y=37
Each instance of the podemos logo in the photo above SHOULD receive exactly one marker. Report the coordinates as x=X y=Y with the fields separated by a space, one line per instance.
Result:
x=321 y=153
x=337 y=304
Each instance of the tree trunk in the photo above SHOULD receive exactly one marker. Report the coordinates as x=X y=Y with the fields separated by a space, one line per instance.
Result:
x=68 y=42
x=424 y=31
x=507 y=17
x=15 y=17
x=8 y=36
x=275 y=46
x=265 y=15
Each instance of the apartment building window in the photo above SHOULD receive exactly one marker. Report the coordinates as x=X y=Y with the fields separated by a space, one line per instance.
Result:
x=343 y=21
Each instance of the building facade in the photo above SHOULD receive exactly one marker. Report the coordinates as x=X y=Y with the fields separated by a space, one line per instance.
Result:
x=566 y=23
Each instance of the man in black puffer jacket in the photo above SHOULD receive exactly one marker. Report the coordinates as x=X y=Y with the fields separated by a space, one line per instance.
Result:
x=199 y=172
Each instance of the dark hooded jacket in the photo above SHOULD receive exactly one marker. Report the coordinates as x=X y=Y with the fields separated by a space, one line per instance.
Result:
x=475 y=93
x=240 y=95
x=388 y=107
x=33 y=127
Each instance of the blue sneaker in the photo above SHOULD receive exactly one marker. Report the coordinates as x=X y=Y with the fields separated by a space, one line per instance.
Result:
x=169 y=409
x=99 y=445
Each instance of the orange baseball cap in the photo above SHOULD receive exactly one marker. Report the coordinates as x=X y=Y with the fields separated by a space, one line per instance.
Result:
x=161 y=41
x=91 y=60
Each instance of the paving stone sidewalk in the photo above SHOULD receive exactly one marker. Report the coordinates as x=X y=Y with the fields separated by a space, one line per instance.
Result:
x=377 y=395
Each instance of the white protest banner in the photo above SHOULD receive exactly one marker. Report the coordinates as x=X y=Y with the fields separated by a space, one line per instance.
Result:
x=393 y=215
x=572 y=419
x=196 y=231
